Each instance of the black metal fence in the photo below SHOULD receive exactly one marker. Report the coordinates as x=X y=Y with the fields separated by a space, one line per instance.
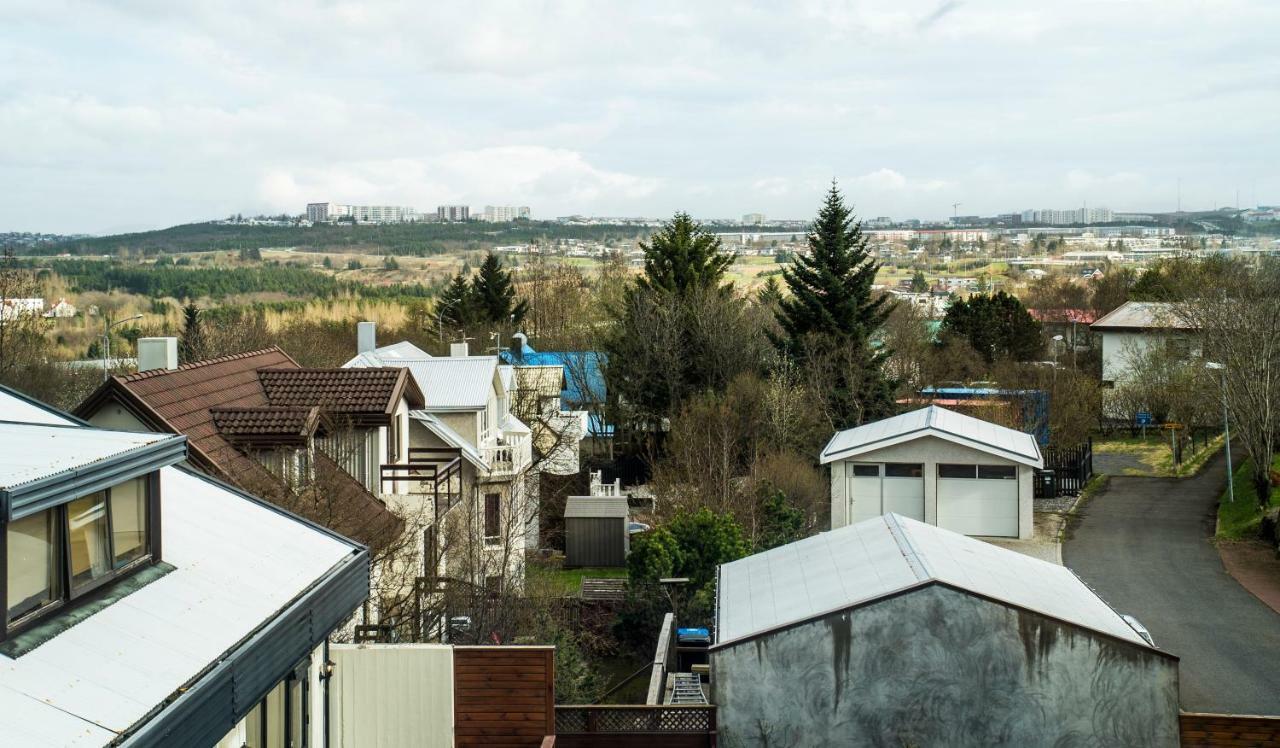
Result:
x=1066 y=471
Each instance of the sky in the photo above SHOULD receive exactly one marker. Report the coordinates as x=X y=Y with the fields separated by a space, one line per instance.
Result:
x=137 y=114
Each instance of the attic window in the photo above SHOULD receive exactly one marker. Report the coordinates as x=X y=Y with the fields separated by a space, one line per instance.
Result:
x=56 y=557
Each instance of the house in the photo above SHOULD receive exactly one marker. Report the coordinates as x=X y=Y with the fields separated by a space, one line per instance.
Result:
x=1136 y=328
x=61 y=310
x=895 y=632
x=11 y=309
x=147 y=604
x=467 y=410
x=937 y=466
x=584 y=387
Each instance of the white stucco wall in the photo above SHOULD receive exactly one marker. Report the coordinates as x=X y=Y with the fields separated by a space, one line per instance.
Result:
x=1120 y=349
x=114 y=416
x=930 y=451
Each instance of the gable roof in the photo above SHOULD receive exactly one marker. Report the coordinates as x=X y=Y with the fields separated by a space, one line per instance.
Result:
x=264 y=422
x=1136 y=316
x=584 y=381
x=596 y=507
x=450 y=437
x=446 y=382
x=364 y=390
x=949 y=425
x=883 y=556
x=191 y=400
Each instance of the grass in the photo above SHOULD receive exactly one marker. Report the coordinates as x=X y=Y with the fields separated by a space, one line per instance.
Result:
x=569 y=581
x=1240 y=519
x=1155 y=455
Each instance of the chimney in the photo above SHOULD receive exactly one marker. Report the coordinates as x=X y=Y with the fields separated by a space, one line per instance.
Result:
x=459 y=349
x=519 y=342
x=157 y=353
x=366 y=337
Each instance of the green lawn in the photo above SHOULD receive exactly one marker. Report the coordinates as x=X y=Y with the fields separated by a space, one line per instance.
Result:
x=1240 y=519
x=568 y=581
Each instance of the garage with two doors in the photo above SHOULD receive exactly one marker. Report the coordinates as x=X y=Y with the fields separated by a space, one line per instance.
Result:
x=937 y=466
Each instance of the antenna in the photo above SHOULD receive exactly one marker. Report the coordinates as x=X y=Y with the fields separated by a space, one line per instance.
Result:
x=955 y=207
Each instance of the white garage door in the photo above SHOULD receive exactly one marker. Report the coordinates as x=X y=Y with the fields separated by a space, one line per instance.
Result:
x=875 y=488
x=978 y=499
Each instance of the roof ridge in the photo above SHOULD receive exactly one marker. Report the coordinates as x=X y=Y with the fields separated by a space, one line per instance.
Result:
x=140 y=375
x=909 y=552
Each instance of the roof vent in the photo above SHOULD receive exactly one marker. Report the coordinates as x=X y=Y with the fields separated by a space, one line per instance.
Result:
x=157 y=353
x=366 y=337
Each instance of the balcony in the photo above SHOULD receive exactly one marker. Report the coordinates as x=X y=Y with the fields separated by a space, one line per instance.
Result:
x=508 y=454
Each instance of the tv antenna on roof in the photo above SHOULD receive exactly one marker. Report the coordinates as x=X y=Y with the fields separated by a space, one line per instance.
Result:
x=955 y=208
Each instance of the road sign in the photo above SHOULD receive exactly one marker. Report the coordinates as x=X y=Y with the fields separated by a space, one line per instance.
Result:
x=1174 y=426
x=1144 y=418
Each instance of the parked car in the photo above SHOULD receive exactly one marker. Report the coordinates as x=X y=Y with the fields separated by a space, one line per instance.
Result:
x=635 y=528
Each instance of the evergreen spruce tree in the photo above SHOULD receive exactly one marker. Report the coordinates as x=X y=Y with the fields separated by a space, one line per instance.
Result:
x=683 y=255
x=193 y=345
x=832 y=313
x=494 y=294
x=455 y=307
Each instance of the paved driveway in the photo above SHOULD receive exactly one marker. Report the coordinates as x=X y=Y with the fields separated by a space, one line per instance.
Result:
x=1144 y=546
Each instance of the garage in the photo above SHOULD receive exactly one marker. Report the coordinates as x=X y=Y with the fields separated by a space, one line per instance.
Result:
x=977 y=499
x=883 y=487
x=937 y=466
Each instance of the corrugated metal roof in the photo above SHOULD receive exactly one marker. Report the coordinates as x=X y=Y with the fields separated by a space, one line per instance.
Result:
x=403 y=349
x=877 y=557
x=934 y=421
x=1142 y=315
x=237 y=564
x=596 y=506
x=447 y=382
x=29 y=452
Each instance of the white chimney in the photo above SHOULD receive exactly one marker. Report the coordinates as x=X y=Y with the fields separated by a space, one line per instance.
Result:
x=366 y=337
x=459 y=349
x=157 y=353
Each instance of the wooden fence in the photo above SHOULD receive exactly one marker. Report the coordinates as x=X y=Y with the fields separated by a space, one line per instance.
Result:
x=503 y=696
x=627 y=726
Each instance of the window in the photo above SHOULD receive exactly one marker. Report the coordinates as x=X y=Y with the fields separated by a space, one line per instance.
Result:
x=89 y=538
x=393 y=439
x=492 y=519
x=903 y=470
x=493 y=585
x=67 y=551
x=997 y=472
x=34 y=563
x=866 y=471
x=957 y=471
x=431 y=552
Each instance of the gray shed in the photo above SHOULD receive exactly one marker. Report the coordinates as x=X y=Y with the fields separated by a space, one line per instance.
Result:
x=595 y=531
x=896 y=632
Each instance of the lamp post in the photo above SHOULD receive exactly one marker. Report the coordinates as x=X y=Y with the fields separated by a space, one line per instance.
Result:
x=1226 y=429
x=1057 y=355
x=106 y=342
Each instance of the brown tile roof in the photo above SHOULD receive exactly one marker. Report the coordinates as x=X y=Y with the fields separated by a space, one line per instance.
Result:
x=193 y=398
x=266 y=421
x=365 y=391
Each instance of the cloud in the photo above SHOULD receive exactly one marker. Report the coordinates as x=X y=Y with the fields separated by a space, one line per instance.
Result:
x=943 y=8
x=893 y=181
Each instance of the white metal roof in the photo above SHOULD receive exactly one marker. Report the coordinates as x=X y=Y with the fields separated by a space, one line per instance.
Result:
x=447 y=382
x=15 y=408
x=403 y=349
x=29 y=451
x=1142 y=315
x=596 y=506
x=868 y=560
x=238 y=563
x=939 y=422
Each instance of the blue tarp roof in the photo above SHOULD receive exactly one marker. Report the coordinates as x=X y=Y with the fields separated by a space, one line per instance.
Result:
x=584 y=381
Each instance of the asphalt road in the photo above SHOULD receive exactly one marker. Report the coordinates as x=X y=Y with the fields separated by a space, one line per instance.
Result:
x=1144 y=546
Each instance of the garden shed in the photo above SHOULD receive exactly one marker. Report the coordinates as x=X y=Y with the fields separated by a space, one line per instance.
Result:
x=595 y=531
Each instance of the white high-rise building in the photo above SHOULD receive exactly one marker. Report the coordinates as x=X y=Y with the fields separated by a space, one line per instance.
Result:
x=328 y=212
x=504 y=213
x=1066 y=217
x=752 y=219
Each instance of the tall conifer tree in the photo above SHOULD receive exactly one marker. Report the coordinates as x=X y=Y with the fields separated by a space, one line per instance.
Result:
x=494 y=294
x=831 y=313
x=682 y=256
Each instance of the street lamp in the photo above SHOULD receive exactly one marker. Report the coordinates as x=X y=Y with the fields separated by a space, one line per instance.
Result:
x=106 y=340
x=1057 y=355
x=1226 y=429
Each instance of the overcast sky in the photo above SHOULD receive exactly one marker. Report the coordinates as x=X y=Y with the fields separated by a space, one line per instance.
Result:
x=154 y=112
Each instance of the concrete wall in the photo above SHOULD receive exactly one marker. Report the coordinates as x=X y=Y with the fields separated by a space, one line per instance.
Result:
x=930 y=451
x=939 y=667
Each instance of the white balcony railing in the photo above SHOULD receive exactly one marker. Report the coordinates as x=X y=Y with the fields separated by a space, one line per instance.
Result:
x=508 y=456
x=600 y=488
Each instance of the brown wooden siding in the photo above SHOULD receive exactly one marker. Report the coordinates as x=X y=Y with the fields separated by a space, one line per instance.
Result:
x=1229 y=731
x=503 y=696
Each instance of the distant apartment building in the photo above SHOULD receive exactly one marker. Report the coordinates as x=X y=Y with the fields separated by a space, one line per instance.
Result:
x=504 y=213
x=329 y=212
x=1068 y=217
x=752 y=219
x=879 y=222
x=453 y=213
